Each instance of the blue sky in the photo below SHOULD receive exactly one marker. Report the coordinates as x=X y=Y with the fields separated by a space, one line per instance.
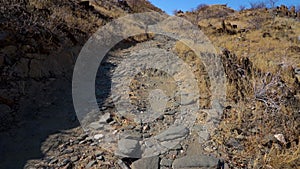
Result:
x=170 y=5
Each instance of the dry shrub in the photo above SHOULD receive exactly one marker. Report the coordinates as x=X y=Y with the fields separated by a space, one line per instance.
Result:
x=260 y=105
x=202 y=7
x=257 y=5
x=257 y=22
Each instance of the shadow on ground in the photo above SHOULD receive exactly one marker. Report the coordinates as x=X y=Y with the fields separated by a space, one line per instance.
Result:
x=45 y=110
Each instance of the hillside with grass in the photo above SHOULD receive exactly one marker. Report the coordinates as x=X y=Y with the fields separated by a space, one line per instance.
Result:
x=259 y=123
x=260 y=49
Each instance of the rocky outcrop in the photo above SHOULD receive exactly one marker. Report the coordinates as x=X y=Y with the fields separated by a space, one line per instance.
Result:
x=227 y=28
x=284 y=11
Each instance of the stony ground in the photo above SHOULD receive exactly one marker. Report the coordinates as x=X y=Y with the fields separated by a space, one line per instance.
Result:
x=259 y=127
x=177 y=147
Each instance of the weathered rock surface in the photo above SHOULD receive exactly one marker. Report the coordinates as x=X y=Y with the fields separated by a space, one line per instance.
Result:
x=129 y=148
x=173 y=133
x=146 y=163
x=166 y=162
x=191 y=161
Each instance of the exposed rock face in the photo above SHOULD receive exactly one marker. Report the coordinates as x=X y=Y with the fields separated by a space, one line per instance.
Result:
x=43 y=40
x=284 y=11
x=228 y=28
x=293 y=11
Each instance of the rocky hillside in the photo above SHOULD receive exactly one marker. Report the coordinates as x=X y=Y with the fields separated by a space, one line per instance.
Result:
x=41 y=40
x=39 y=45
x=261 y=58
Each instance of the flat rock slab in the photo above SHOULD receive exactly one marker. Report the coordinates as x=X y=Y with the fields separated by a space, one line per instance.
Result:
x=96 y=126
x=173 y=133
x=194 y=161
x=146 y=163
x=129 y=148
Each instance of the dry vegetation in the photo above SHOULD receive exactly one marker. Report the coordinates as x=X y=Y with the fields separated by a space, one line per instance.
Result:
x=260 y=51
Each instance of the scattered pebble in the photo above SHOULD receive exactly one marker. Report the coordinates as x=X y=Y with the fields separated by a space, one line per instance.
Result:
x=106 y=118
x=68 y=151
x=74 y=158
x=280 y=138
x=65 y=162
x=90 y=164
x=96 y=126
x=53 y=161
x=98 y=136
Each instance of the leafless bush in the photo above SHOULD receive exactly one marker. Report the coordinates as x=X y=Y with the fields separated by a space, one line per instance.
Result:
x=197 y=18
x=242 y=7
x=257 y=5
x=298 y=8
x=257 y=22
x=271 y=91
x=201 y=7
x=177 y=11
x=272 y=3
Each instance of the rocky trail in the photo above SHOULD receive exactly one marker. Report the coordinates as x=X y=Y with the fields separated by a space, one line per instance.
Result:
x=155 y=97
x=98 y=146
